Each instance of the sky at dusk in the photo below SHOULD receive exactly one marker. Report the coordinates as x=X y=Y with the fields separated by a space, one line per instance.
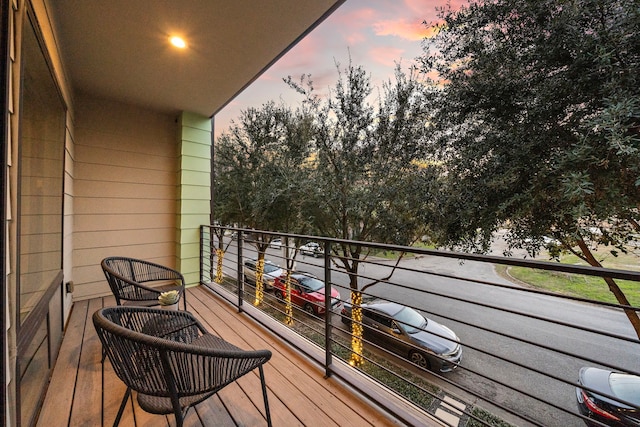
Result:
x=374 y=33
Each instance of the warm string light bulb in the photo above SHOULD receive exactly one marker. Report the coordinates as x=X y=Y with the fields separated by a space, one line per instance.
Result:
x=356 y=329
x=220 y=255
x=259 y=283
x=288 y=307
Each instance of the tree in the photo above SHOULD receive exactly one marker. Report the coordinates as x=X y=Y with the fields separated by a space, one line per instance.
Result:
x=367 y=169
x=290 y=185
x=538 y=124
x=259 y=179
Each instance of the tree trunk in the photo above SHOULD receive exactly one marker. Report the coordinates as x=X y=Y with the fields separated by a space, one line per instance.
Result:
x=356 y=329
x=259 y=283
x=288 y=310
x=220 y=256
x=632 y=315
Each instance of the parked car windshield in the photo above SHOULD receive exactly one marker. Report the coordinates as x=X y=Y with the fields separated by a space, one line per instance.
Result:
x=270 y=268
x=311 y=284
x=410 y=320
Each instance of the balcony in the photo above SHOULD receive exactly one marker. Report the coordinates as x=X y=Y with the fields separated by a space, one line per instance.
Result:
x=522 y=347
x=84 y=392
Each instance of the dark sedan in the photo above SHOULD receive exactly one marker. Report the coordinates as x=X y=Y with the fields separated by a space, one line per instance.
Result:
x=406 y=332
x=601 y=404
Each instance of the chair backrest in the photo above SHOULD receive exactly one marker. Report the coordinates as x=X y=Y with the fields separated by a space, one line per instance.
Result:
x=119 y=276
x=138 y=270
x=138 y=340
x=127 y=276
x=151 y=351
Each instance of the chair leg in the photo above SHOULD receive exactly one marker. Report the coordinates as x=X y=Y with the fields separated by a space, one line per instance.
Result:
x=122 y=406
x=179 y=417
x=264 y=394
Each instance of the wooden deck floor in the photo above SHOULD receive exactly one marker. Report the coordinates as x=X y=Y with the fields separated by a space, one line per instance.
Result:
x=84 y=392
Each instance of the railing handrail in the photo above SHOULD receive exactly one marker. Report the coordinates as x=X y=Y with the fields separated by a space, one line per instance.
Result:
x=492 y=259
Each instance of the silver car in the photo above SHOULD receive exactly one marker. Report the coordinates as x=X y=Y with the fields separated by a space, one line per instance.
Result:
x=406 y=332
x=276 y=243
x=312 y=248
x=271 y=271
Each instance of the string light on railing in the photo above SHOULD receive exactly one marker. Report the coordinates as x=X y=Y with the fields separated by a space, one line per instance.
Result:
x=220 y=255
x=288 y=307
x=259 y=284
x=356 y=329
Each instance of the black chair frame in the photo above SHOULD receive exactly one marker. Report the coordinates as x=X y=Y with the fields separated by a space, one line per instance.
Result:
x=170 y=360
x=129 y=280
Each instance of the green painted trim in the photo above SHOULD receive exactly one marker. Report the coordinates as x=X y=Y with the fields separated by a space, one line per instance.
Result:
x=202 y=151
x=194 y=120
x=194 y=163
x=194 y=207
x=193 y=193
x=196 y=135
x=197 y=178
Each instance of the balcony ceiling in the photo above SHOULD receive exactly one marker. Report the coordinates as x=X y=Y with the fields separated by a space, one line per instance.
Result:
x=118 y=49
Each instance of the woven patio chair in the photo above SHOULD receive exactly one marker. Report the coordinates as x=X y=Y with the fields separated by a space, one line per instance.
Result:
x=129 y=280
x=170 y=360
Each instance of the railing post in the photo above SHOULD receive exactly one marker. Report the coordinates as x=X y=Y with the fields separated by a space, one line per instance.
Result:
x=327 y=308
x=239 y=240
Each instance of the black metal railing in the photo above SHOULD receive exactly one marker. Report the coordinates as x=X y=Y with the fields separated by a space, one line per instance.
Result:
x=522 y=348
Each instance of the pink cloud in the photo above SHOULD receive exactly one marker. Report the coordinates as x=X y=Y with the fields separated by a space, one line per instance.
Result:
x=352 y=25
x=386 y=55
x=426 y=9
x=414 y=19
x=357 y=18
x=302 y=57
x=406 y=29
x=355 y=38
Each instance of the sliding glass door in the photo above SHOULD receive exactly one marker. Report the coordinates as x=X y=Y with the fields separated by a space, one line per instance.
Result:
x=40 y=218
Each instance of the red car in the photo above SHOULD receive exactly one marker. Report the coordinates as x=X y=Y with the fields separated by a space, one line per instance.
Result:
x=307 y=291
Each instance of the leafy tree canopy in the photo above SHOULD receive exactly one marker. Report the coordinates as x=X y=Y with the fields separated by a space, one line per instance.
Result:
x=260 y=165
x=368 y=182
x=538 y=121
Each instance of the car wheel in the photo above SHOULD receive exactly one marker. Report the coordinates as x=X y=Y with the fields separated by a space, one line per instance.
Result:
x=281 y=296
x=308 y=307
x=420 y=359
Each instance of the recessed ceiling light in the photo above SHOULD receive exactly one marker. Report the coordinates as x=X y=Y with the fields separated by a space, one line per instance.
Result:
x=178 y=42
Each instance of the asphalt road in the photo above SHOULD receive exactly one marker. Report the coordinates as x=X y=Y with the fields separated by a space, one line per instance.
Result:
x=480 y=327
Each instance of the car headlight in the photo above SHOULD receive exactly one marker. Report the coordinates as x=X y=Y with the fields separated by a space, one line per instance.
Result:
x=452 y=353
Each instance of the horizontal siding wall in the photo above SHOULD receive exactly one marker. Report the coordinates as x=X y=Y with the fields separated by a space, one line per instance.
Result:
x=125 y=189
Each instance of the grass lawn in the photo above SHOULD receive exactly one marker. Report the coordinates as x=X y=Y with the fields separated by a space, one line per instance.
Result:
x=583 y=286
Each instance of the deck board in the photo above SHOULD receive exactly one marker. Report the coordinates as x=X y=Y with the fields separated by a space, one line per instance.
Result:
x=298 y=393
x=291 y=382
x=87 y=407
x=62 y=386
